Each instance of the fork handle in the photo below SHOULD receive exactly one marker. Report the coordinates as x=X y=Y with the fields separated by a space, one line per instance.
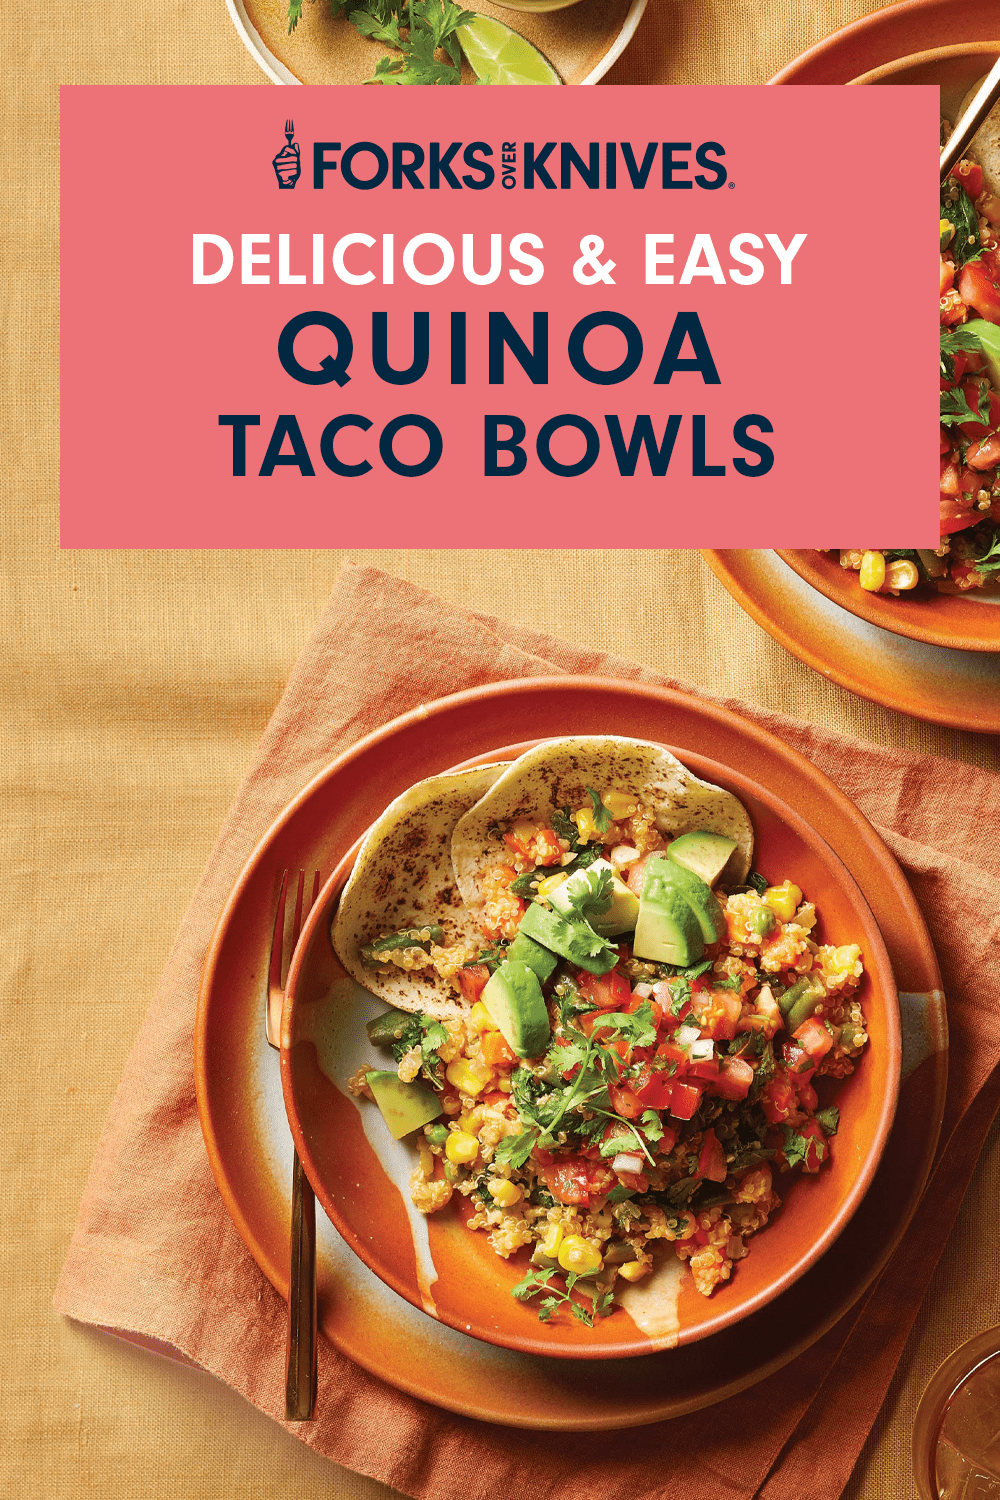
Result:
x=300 y=1366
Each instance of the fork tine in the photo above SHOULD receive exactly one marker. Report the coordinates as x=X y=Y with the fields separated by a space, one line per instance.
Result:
x=272 y=1011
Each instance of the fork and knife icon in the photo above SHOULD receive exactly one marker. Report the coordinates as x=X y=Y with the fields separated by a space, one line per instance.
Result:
x=288 y=164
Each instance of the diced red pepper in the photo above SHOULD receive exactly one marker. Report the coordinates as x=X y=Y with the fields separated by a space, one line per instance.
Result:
x=970 y=175
x=654 y=1089
x=978 y=287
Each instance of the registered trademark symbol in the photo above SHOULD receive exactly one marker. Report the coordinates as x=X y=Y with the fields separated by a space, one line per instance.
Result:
x=732 y=184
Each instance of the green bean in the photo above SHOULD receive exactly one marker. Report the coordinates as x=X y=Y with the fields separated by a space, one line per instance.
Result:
x=409 y=937
x=803 y=1008
x=387 y=1028
x=793 y=993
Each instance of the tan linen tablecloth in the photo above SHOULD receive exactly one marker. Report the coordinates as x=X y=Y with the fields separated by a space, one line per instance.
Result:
x=134 y=689
x=149 y=1209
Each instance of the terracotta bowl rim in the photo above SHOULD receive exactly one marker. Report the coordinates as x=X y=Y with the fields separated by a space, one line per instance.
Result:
x=885 y=611
x=877 y=964
x=925 y=55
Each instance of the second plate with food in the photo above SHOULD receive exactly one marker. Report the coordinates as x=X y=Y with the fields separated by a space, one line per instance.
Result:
x=682 y=1081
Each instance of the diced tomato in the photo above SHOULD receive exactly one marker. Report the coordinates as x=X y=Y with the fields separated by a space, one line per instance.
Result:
x=778 y=1099
x=706 y=1067
x=797 y=1059
x=654 y=1005
x=970 y=175
x=814 y=1038
x=607 y=991
x=653 y=1089
x=712 y=1159
x=949 y=479
x=684 y=1099
x=973 y=389
x=472 y=981
x=625 y=1101
x=735 y=1078
x=495 y=1097
x=978 y=286
x=496 y=1051
x=673 y=1055
x=718 y=1014
x=808 y=1097
x=637 y=874
x=667 y=1141
x=955 y=517
x=947 y=275
x=575 y=1180
x=985 y=454
x=945 y=441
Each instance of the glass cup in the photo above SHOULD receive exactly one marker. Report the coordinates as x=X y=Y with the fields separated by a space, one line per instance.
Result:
x=956 y=1435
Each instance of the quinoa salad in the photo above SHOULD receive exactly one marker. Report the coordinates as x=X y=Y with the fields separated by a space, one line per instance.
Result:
x=589 y=1103
x=968 y=556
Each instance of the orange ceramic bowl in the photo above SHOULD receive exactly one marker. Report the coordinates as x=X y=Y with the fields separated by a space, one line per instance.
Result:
x=965 y=622
x=439 y=1265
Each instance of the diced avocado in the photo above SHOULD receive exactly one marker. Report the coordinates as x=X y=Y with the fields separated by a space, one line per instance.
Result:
x=524 y=950
x=699 y=896
x=387 y=1028
x=988 y=335
x=405 y=1106
x=707 y=854
x=612 y=916
x=513 y=997
x=575 y=941
x=667 y=932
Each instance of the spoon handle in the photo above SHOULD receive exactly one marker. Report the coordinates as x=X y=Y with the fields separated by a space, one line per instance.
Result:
x=988 y=94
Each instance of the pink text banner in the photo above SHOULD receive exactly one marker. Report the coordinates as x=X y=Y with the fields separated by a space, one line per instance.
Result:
x=478 y=317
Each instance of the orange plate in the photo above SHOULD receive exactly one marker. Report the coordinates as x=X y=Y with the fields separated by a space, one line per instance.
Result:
x=472 y=1291
x=895 y=31
x=250 y=1151
x=960 y=688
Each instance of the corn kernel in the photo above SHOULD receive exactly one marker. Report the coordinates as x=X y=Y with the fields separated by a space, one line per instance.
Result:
x=901 y=574
x=471 y=1121
x=524 y=830
x=470 y=1077
x=504 y=1194
x=461 y=1148
x=872 y=575
x=550 y=883
x=503 y=1083
x=426 y=1159
x=784 y=900
x=481 y=1018
x=842 y=960
x=577 y=1254
x=634 y=1270
x=584 y=820
x=552 y=1240
x=620 y=804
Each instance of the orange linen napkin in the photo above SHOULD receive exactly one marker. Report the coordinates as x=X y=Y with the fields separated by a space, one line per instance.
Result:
x=155 y=1256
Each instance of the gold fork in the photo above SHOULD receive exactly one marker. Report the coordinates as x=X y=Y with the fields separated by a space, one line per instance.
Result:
x=300 y=1360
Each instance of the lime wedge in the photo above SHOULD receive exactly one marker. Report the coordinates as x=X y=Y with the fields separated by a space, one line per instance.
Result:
x=499 y=55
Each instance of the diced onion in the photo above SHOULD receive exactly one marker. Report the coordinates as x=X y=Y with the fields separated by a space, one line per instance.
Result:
x=626 y=1162
x=686 y=1035
x=623 y=854
x=642 y=990
x=735 y=1248
x=703 y=1049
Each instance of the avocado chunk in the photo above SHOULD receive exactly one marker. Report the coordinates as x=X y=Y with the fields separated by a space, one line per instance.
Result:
x=616 y=913
x=513 y=997
x=405 y=1106
x=706 y=854
x=575 y=941
x=524 y=950
x=668 y=931
x=387 y=1028
x=700 y=897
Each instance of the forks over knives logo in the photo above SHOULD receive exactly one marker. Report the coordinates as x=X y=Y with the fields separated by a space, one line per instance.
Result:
x=288 y=163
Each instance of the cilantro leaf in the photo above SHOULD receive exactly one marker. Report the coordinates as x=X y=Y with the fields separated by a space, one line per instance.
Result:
x=955 y=407
x=294 y=14
x=652 y=1125
x=637 y=1026
x=758 y=882
x=966 y=245
x=589 y=891
x=621 y=1193
x=829 y=1119
x=952 y=340
x=527 y=883
x=602 y=815
x=990 y=560
x=514 y=1150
